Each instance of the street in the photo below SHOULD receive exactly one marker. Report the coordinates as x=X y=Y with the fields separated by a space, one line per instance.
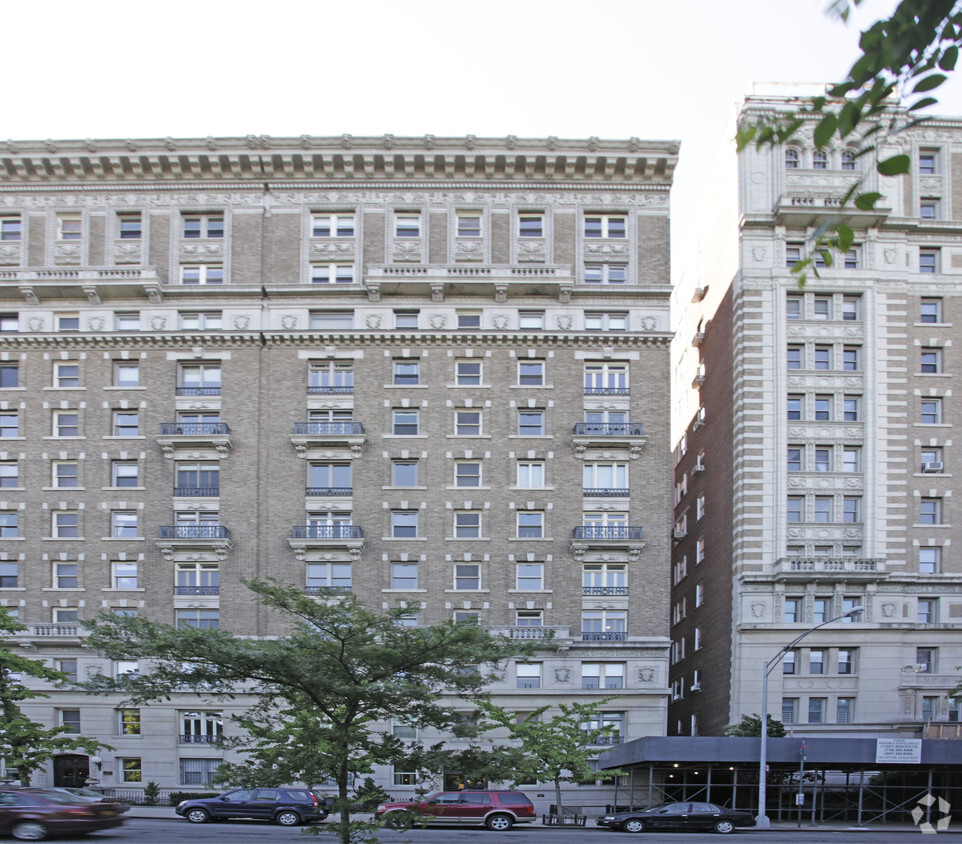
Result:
x=177 y=831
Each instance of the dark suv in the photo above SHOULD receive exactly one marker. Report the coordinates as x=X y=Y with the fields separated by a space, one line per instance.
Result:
x=494 y=809
x=286 y=806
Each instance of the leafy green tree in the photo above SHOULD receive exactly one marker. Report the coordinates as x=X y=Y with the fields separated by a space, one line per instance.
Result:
x=319 y=690
x=751 y=727
x=904 y=59
x=556 y=749
x=26 y=745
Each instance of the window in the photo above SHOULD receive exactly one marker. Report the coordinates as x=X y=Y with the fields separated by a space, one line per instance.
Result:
x=822 y=307
x=794 y=463
x=926 y=611
x=9 y=575
x=850 y=259
x=699 y=594
x=848 y=160
x=531 y=474
x=322 y=478
x=9 y=474
x=204 y=225
x=793 y=307
x=851 y=459
x=849 y=604
x=130 y=226
x=531 y=373
x=530 y=224
x=124 y=575
x=404 y=524
x=467 y=576
x=67 y=322
x=9 y=525
x=331 y=320
x=823 y=408
x=9 y=375
x=929 y=209
x=127 y=322
x=823 y=508
x=930 y=511
x=792 y=158
x=823 y=357
x=467 y=473
x=844 y=709
x=931 y=412
x=793 y=254
x=606 y=322
x=198 y=771
x=816 y=661
x=823 y=459
x=850 y=358
x=66 y=423
x=467 y=524
x=404 y=473
x=332 y=225
x=606 y=273
x=605 y=478
x=930 y=560
x=850 y=409
x=925 y=660
x=528 y=675
x=819 y=160
x=332 y=274
x=529 y=618
x=794 y=406
x=930 y=311
x=66 y=375
x=816 y=710
x=407 y=224
x=200 y=619
x=467 y=423
x=930 y=361
x=404 y=575
x=126 y=374
x=605 y=225
x=467 y=373
x=406 y=319
x=126 y=423
x=604 y=625
x=929 y=260
x=65 y=575
x=129 y=720
x=928 y=162
x=64 y=616
x=328 y=576
x=70 y=720
x=330 y=377
x=606 y=379
x=469 y=319
x=66 y=525
x=851 y=509
x=793 y=510
x=10 y=229
x=202 y=274
x=793 y=610
x=851 y=308
x=197 y=579
x=123 y=524
x=930 y=708
x=200 y=321
x=9 y=323
x=531 y=320
x=790 y=662
x=406 y=373
x=531 y=423
x=124 y=473
x=405 y=423
x=69 y=227
x=197 y=479
x=468 y=224
x=529 y=577
x=402 y=730
x=846 y=661
x=530 y=525
x=602 y=675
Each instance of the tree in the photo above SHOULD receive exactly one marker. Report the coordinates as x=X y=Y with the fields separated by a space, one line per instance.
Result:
x=751 y=727
x=319 y=690
x=26 y=745
x=557 y=749
x=904 y=58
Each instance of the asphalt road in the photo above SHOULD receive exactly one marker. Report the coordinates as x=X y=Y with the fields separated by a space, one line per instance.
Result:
x=177 y=831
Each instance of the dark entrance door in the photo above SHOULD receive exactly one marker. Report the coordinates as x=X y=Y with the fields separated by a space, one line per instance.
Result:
x=70 y=771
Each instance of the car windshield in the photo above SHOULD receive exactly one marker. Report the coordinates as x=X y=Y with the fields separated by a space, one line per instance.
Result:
x=62 y=797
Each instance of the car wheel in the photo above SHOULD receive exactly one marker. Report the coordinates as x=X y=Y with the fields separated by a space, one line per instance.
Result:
x=499 y=822
x=724 y=827
x=288 y=818
x=29 y=831
x=197 y=815
x=634 y=825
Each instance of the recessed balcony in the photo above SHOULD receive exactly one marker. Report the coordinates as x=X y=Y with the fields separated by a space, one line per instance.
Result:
x=194 y=435
x=308 y=435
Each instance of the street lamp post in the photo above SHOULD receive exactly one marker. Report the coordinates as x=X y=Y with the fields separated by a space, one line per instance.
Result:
x=762 y=821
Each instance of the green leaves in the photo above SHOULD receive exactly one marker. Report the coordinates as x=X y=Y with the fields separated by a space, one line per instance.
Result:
x=825 y=129
x=894 y=166
x=866 y=201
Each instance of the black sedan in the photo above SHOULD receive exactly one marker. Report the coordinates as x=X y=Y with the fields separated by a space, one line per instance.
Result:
x=685 y=816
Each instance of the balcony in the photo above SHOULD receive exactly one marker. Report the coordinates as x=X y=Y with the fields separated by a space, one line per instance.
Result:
x=940 y=730
x=616 y=390
x=604 y=636
x=341 y=536
x=197 y=590
x=194 y=435
x=496 y=282
x=329 y=491
x=608 y=435
x=172 y=538
x=55 y=633
x=606 y=740
x=198 y=391
x=308 y=435
x=605 y=492
x=828 y=569
x=327 y=590
x=330 y=390
x=811 y=196
x=611 y=537
x=89 y=284
x=532 y=632
x=200 y=739
x=196 y=492
x=602 y=591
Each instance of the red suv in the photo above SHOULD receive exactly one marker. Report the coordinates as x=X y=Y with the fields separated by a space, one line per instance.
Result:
x=494 y=809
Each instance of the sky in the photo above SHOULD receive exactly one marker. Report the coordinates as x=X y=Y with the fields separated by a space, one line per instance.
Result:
x=616 y=69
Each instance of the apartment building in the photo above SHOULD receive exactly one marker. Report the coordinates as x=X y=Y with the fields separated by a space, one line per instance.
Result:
x=814 y=455
x=424 y=370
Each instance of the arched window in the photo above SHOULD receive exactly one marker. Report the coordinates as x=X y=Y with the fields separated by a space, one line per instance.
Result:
x=792 y=158
x=819 y=160
x=848 y=160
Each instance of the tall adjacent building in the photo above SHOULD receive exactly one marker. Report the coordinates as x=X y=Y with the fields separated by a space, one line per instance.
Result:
x=815 y=452
x=424 y=370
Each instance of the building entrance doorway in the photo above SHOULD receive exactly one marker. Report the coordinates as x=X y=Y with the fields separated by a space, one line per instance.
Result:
x=70 y=771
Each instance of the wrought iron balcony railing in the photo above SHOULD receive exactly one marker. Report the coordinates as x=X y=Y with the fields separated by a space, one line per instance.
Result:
x=194 y=429
x=604 y=590
x=198 y=391
x=327 y=429
x=194 y=532
x=605 y=492
x=322 y=491
x=604 y=636
x=197 y=590
x=612 y=532
x=608 y=429
x=340 y=531
x=196 y=491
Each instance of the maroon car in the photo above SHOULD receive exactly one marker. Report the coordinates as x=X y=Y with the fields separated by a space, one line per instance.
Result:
x=35 y=814
x=498 y=810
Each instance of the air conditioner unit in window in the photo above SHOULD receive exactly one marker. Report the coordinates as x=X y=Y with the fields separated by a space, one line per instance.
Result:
x=680 y=533
x=696 y=687
x=932 y=467
x=698 y=468
x=697 y=338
